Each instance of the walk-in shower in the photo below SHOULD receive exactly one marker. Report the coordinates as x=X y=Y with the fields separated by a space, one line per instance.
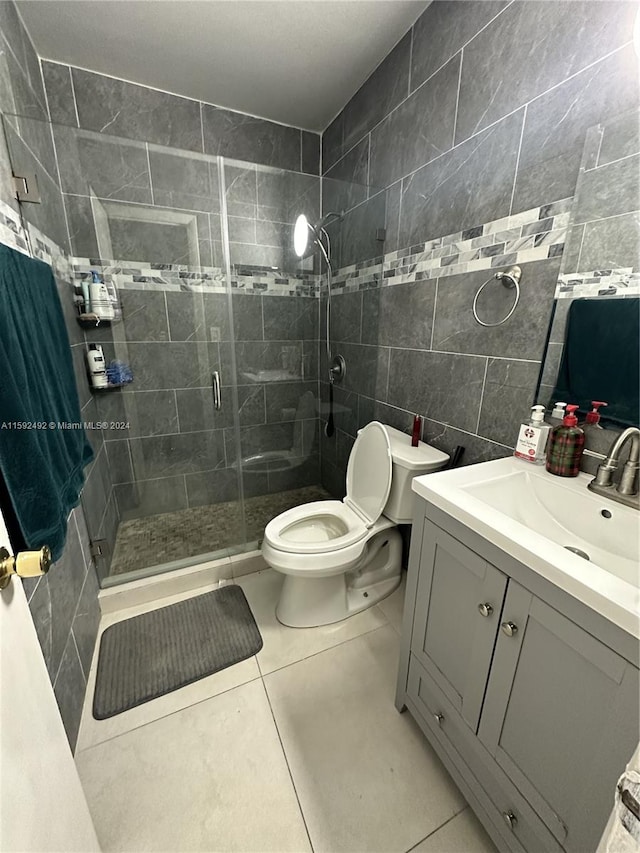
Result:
x=222 y=320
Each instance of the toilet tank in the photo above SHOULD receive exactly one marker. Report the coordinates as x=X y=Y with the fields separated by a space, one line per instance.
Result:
x=408 y=462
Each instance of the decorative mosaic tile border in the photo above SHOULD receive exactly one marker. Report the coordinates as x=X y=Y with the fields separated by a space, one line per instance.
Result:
x=533 y=235
x=128 y=275
x=620 y=282
x=34 y=244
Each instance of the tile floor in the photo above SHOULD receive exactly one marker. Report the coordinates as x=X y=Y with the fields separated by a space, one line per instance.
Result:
x=297 y=749
x=157 y=539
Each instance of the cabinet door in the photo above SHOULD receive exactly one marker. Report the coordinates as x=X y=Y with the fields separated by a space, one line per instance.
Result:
x=451 y=637
x=560 y=717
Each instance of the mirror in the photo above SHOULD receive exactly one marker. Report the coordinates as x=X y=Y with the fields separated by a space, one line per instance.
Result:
x=593 y=349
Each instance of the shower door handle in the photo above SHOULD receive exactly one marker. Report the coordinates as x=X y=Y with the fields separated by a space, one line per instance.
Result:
x=217 y=393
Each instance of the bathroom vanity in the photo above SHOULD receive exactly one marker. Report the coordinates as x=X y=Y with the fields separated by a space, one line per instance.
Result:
x=519 y=659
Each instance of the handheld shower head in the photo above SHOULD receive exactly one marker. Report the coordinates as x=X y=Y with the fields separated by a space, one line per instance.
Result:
x=308 y=238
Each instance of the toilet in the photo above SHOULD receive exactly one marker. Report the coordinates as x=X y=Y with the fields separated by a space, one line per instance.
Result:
x=341 y=557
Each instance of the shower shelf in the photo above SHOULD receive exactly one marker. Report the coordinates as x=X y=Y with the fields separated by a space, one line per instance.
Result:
x=91 y=321
x=110 y=387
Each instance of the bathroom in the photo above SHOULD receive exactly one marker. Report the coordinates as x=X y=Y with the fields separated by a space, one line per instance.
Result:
x=453 y=140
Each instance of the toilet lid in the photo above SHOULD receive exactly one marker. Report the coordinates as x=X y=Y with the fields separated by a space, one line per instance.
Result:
x=369 y=473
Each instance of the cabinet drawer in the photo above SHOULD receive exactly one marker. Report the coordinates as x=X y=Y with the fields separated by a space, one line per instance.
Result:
x=451 y=730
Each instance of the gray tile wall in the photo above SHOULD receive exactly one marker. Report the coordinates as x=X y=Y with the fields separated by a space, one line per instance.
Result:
x=64 y=603
x=117 y=141
x=122 y=142
x=479 y=112
x=106 y=105
x=178 y=451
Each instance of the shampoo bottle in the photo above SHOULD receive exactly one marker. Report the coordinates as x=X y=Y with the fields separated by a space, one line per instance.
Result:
x=101 y=304
x=96 y=366
x=532 y=438
x=565 y=446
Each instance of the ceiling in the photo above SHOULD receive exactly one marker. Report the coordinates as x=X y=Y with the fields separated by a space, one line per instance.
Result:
x=291 y=61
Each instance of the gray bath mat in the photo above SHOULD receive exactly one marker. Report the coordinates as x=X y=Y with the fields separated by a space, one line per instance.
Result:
x=152 y=654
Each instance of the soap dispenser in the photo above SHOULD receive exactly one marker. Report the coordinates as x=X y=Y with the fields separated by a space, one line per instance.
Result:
x=593 y=417
x=532 y=438
x=565 y=446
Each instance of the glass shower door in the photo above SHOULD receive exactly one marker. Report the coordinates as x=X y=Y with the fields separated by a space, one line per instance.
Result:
x=276 y=329
x=143 y=220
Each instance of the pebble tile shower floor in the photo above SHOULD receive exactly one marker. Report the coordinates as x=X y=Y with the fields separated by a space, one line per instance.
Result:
x=159 y=539
x=299 y=748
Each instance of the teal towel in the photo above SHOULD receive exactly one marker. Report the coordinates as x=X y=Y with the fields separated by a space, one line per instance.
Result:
x=41 y=463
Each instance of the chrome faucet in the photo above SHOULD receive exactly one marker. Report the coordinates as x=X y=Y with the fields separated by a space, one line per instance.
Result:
x=627 y=489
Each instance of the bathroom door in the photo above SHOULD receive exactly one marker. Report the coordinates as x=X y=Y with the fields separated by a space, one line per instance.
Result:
x=42 y=805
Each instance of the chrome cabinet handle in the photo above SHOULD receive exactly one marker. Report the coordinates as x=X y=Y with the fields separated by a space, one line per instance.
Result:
x=217 y=394
x=485 y=609
x=510 y=819
x=439 y=718
x=509 y=629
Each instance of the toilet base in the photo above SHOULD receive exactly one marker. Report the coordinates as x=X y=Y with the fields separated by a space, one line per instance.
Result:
x=308 y=602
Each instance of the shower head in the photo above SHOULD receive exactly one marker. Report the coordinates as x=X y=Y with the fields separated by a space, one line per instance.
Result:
x=308 y=238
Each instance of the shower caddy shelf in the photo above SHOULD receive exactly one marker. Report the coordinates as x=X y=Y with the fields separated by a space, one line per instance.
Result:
x=92 y=321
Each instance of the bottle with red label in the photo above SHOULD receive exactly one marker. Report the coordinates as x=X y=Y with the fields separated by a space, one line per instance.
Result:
x=532 y=437
x=566 y=444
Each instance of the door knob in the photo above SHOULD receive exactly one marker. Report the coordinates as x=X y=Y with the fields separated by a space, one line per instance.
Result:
x=27 y=564
x=485 y=609
x=439 y=718
x=509 y=628
x=510 y=819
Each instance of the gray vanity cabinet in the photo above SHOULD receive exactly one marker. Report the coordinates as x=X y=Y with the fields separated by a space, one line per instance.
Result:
x=457 y=618
x=528 y=697
x=559 y=717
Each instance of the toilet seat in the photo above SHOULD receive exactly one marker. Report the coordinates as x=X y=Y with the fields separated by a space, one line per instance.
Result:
x=315 y=528
x=323 y=527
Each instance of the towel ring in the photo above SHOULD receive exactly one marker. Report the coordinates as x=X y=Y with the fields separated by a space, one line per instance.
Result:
x=509 y=279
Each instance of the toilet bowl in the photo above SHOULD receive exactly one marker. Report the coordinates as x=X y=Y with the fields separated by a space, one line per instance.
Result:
x=341 y=557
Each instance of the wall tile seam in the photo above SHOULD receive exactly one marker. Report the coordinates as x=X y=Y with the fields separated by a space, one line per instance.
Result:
x=24 y=71
x=455 y=111
x=88 y=559
x=146 y=438
x=462 y=47
x=488 y=126
x=517 y=166
x=33 y=591
x=176 y=95
x=70 y=637
x=481 y=401
x=4 y=41
x=51 y=177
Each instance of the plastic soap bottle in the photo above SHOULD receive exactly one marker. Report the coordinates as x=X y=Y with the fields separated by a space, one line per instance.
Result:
x=558 y=411
x=565 y=446
x=593 y=417
x=532 y=438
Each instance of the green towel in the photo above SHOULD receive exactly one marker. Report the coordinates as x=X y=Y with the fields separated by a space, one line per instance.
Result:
x=42 y=465
x=601 y=358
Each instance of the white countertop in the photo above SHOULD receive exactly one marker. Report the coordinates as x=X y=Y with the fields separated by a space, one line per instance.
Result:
x=617 y=598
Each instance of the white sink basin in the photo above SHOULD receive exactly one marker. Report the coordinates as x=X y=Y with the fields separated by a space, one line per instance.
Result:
x=536 y=517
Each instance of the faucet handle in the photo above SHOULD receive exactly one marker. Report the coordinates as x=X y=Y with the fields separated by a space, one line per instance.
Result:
x=604 y=473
